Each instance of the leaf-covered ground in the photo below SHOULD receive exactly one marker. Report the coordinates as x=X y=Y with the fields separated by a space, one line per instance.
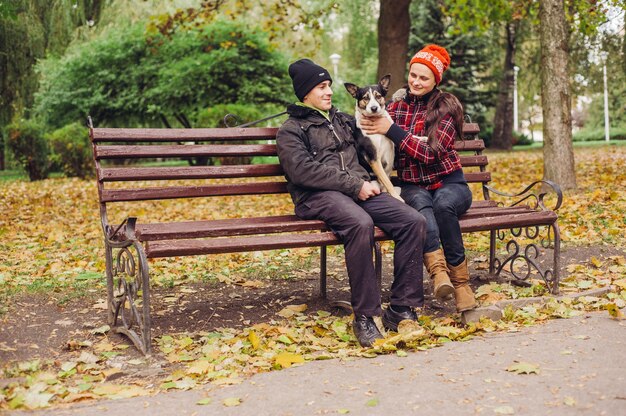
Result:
x=51 y=252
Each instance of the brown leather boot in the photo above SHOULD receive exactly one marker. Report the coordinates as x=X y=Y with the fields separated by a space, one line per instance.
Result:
x=435 y=263
x=459 y=276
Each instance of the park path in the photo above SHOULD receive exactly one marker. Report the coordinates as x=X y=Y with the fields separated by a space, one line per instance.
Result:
x=581 y=366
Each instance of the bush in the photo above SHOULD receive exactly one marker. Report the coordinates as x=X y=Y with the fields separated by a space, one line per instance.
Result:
x=71 y=150
x=27 y=143
x=245 y=113
x=520 y=139
x=618 y=133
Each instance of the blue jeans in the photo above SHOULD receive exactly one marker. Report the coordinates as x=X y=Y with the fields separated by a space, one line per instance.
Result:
x=442 y=208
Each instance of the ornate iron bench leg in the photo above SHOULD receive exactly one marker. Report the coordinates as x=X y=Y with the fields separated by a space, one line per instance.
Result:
x=528 y=255
x=128 y=290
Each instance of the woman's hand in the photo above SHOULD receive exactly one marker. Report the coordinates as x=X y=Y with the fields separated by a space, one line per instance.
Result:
x=375 y=125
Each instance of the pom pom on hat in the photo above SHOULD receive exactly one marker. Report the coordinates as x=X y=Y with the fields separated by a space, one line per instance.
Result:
x=435 y=57
x=306 y=74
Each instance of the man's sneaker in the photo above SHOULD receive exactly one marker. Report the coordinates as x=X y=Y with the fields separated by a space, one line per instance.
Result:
x=391 y=317
x=365 y=330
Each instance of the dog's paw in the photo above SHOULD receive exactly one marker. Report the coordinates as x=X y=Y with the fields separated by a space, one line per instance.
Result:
x=399 y=95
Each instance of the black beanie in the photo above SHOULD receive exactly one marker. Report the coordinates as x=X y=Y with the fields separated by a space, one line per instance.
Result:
x=306 y=74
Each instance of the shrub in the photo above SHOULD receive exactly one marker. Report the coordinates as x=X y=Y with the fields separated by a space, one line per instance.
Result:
x=520 y=139
x=245 y=113
x=71 y=150
x=29 y=147
x=617 y=133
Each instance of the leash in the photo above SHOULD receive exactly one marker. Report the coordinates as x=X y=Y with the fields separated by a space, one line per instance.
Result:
x=228 y=117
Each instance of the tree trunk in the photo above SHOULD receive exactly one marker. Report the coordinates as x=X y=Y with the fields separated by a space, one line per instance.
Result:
x=558 y=151
x=503 y=120
x=394 y=25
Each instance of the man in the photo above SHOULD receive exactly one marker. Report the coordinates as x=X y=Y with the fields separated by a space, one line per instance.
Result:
x=317 y=151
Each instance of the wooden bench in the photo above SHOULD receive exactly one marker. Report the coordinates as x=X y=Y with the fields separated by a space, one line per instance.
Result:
x=131 y=242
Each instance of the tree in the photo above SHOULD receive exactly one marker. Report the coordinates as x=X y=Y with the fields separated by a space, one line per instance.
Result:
x=394 y=25
x=558 y=164
x=30 y=29
x=472 y=53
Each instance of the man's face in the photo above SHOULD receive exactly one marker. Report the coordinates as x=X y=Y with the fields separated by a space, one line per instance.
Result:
x=421 y=79
x=320 y=96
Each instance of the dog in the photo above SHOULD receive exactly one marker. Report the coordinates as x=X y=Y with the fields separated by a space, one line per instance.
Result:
x=377 y=150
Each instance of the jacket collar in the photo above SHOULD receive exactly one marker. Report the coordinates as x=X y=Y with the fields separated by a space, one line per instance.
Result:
x=308 y=114
x=410 y=98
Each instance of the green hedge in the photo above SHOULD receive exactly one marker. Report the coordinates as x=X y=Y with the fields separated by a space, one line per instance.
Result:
x=616 y=133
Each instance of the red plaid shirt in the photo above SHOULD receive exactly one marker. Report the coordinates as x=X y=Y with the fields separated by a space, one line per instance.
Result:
x=417 y=162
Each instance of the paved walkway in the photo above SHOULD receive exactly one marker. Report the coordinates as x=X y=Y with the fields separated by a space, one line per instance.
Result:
x=581 y=361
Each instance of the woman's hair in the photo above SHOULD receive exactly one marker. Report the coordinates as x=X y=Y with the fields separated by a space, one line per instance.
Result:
x=439 y=105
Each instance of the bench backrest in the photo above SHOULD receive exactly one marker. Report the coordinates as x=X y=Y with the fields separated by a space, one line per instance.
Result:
x=114 y=148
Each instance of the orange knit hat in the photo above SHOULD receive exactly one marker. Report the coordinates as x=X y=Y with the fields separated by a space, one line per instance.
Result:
x=434 y=57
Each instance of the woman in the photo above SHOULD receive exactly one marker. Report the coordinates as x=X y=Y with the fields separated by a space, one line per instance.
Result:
x=426 y=122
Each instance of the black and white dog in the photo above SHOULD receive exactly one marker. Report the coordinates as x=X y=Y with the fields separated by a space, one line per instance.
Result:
x=378 y=150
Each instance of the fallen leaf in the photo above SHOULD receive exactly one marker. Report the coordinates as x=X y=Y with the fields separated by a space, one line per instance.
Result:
x=504 y=410
x=232 y=401
x=286 y=359
x=523 y=368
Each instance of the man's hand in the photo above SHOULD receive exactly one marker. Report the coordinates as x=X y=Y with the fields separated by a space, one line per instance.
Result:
x=375 y=125
x=368 y=190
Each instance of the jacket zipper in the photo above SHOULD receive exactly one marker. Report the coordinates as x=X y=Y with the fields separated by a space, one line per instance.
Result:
x=343 y=163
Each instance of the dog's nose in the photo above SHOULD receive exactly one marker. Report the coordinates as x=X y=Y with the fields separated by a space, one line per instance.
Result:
x=374 y=108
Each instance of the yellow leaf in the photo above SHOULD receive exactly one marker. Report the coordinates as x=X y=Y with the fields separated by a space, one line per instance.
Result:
x=614 y=311
x=286 y=359
x=232 y=401
x=523 y=368
x=621 y=283
x=254 y=339
x=290 y=310
x=597 y=263
x=199 y=367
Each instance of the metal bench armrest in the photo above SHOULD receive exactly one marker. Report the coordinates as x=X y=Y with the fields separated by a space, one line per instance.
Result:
x=536 y=197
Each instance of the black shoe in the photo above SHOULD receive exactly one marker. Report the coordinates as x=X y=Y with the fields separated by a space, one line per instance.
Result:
x=365 y=330
x=391 y=317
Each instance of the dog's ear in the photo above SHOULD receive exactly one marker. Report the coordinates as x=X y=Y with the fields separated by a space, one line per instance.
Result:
x=352 y=89
x=384 y=83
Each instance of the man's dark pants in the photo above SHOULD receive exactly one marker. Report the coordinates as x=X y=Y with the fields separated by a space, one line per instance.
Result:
x=353 y=222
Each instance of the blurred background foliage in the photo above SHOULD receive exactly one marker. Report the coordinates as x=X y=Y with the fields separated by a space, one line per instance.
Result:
x=188 y=63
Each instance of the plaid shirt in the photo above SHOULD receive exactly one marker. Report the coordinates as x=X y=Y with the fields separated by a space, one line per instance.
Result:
x=418 y=163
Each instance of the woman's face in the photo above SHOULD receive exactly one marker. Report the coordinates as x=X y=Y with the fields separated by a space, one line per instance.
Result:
x=320 y=96
x=421 y=79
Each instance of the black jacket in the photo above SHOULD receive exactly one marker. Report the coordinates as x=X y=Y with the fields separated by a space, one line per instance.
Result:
x=317 y=154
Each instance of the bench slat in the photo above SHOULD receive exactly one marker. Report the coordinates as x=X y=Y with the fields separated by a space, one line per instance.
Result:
x=469 y=145
x=508 y=221
x=172 y=192
x=193 y=150
x=226 y=227
x=480 y=160
x=187 y=172
x=266 y=225
x=473 y=177
x=182 y=135
x=171 y=248
x=190 y=247
x=204 y=134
